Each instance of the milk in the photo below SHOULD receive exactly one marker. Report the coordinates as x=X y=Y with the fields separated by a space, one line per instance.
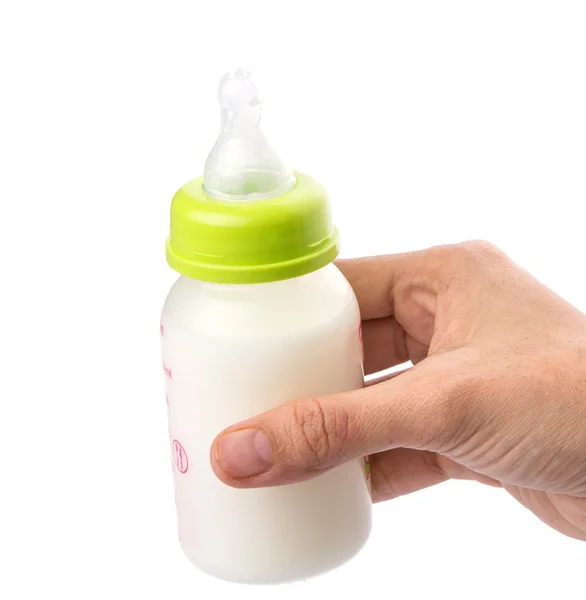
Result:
x=231 y=352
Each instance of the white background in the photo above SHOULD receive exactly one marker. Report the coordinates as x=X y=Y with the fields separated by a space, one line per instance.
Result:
x=428 y=122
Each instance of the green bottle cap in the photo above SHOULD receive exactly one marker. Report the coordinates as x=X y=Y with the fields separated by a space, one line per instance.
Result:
x=249 y=219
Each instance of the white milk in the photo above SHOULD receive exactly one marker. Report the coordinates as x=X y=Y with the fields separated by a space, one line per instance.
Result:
x=230 y=352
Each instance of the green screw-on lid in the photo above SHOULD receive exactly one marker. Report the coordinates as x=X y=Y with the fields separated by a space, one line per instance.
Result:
x=252 y=241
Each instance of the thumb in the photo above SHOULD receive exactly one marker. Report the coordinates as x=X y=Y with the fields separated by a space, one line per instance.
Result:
x=422 y=408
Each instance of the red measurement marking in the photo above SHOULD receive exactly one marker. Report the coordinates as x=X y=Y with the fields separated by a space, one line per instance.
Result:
x=180 y=457
x=167 y=371
x=167 y=399
x=161 y=329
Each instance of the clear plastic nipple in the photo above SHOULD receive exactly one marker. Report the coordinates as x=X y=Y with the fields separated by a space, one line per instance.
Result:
x=242 y=165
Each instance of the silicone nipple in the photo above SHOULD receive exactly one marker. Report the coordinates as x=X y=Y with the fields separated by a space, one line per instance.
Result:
x=242 y=165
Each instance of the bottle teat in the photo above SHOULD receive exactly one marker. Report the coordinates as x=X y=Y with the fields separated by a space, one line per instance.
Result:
x=242 y=166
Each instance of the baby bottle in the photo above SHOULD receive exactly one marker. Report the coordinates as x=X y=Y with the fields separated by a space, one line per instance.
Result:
x=258 y=317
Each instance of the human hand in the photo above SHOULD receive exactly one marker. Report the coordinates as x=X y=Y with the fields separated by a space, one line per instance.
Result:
x=497 y=393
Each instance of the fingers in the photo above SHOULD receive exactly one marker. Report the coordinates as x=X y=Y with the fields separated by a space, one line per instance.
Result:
x=391 y=290
x=376 y=280
x=302 y=439
x=383 y=282
x=403 y=471
x=372 y=280
x=387 y=344
x=384 y=344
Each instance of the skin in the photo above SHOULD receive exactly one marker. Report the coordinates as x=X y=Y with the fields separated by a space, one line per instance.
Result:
x=497 y=393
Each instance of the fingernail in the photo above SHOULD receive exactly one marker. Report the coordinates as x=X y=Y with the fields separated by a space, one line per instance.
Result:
x=244 y=453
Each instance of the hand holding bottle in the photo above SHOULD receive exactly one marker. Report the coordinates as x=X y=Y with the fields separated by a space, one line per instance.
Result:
x=497 y=393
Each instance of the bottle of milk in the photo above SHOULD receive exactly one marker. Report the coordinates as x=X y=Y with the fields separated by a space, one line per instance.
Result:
x=259 y=316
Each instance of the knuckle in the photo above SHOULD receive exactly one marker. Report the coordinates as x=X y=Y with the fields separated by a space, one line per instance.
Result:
x=476 y=257
x=479 y=251
x=317 y=434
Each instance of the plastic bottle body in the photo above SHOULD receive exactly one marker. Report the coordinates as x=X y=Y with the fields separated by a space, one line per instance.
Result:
x=231 y=352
